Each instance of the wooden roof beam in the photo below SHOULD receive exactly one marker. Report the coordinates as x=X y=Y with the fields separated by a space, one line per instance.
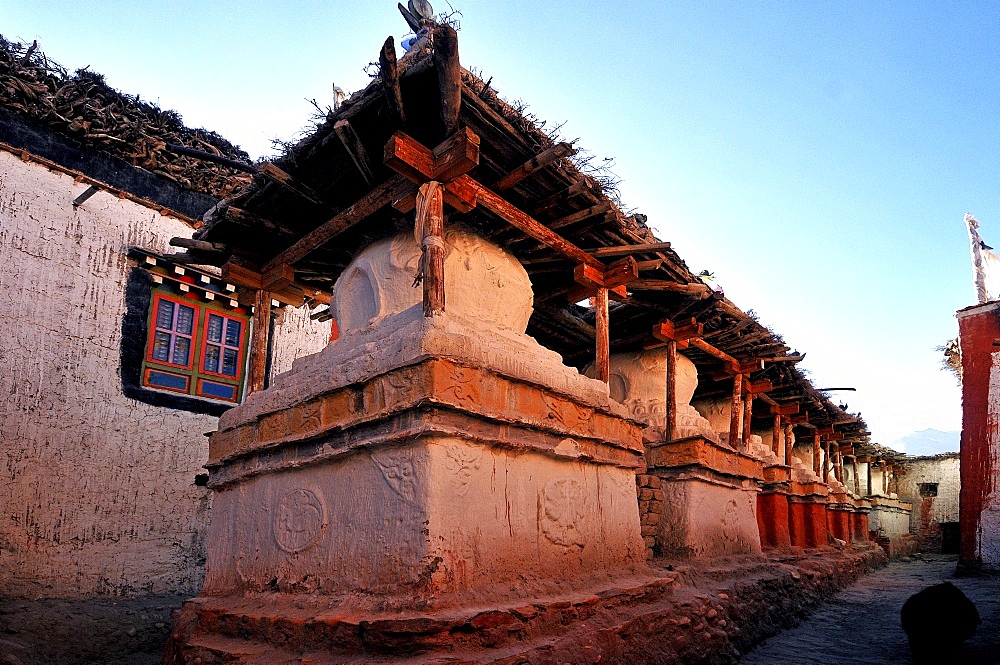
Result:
x=784 y=359
x=581 y=186
x=533 y=228
x=580 y=215
x=538 y=162
x=368 y=204
x=630 y=250
x=449 y=73
x=731 y=364
x=701 y=291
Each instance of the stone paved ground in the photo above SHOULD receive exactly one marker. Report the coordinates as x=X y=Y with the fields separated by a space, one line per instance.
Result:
x=860 y=625
x=84 y=632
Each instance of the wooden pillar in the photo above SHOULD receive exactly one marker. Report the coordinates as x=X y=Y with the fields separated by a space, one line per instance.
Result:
x=747 y=416
x=826 y=461
x=816 y=454
x=430 y=229
x=868 y=465
x=775 y=434
x=789 y=443
x=888 y=479
x=734 y=413
x=671 y=390
x=839 y=461
x=603 y=346
x=258 y=343
x=857 y=478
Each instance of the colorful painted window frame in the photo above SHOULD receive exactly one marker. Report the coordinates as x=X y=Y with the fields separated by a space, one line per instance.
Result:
x=195 y=347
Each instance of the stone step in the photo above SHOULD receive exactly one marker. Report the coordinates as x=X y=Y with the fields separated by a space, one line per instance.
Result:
x=278 y=623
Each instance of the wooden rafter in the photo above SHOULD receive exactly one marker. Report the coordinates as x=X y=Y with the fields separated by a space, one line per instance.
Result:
x=539 y=161
x=274 y=174
x=355 y=149
x=630 y=250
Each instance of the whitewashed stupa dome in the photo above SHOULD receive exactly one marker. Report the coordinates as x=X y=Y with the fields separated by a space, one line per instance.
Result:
x=482 y=283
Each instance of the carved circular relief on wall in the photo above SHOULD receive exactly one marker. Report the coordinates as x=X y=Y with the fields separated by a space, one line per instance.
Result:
x=299 y=518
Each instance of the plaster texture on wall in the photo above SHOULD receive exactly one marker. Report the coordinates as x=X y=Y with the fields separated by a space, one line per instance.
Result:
x=889 y=521
x=98 y=493
x=296 y=335
x=703 y=519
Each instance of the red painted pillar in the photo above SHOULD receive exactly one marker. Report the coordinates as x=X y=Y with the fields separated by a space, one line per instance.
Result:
x=772 y=520
x=978 y=326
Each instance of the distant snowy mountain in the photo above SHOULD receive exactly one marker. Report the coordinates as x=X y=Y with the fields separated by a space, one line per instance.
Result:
x=927 y=442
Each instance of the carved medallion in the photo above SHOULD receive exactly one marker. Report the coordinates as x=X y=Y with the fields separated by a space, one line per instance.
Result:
x=563 y=508
x=299 y=518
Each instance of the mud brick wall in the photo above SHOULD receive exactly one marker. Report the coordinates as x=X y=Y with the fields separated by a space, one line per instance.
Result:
x=650 y=508
x=98 y=490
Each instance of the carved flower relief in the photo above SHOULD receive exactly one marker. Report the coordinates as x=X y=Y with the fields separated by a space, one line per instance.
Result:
x=562 y=510
x=462 y=462
x=399 y=471
x=299 y=519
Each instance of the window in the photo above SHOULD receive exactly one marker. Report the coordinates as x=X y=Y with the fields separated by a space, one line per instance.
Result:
x=195 y=346
x=928 y=489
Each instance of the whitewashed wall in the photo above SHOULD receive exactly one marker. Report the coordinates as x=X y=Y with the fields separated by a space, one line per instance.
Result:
x=945 y=472
x=98 y=493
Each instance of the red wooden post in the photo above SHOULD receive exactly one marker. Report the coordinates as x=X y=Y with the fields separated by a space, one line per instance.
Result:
x=734 y=413
x=430 y=229
x=747 y=415
x=603 y=361
x=671 y=423
x=789 y=443
x=816 y=455
x=826 y=462
x=258 y=345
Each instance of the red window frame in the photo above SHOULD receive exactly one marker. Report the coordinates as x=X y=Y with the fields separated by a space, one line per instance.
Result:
x=196 y=373
x=153 y=329
x=240 y=347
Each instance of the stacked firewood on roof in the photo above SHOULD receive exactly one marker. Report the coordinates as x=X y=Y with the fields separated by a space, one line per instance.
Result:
x=83 y=107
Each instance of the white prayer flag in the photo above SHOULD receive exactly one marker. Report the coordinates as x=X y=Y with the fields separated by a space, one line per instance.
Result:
x=985 y=264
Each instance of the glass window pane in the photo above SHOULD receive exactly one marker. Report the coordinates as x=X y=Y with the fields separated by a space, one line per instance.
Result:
x=182 y=350
x=233 y=330
x=165 y=315
x=211 y=358
x=185 y=319
x=229 y=362
x=161 y=346
x=214 y=328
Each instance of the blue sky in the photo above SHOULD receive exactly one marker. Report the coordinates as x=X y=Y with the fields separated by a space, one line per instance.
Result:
x=817 y=157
